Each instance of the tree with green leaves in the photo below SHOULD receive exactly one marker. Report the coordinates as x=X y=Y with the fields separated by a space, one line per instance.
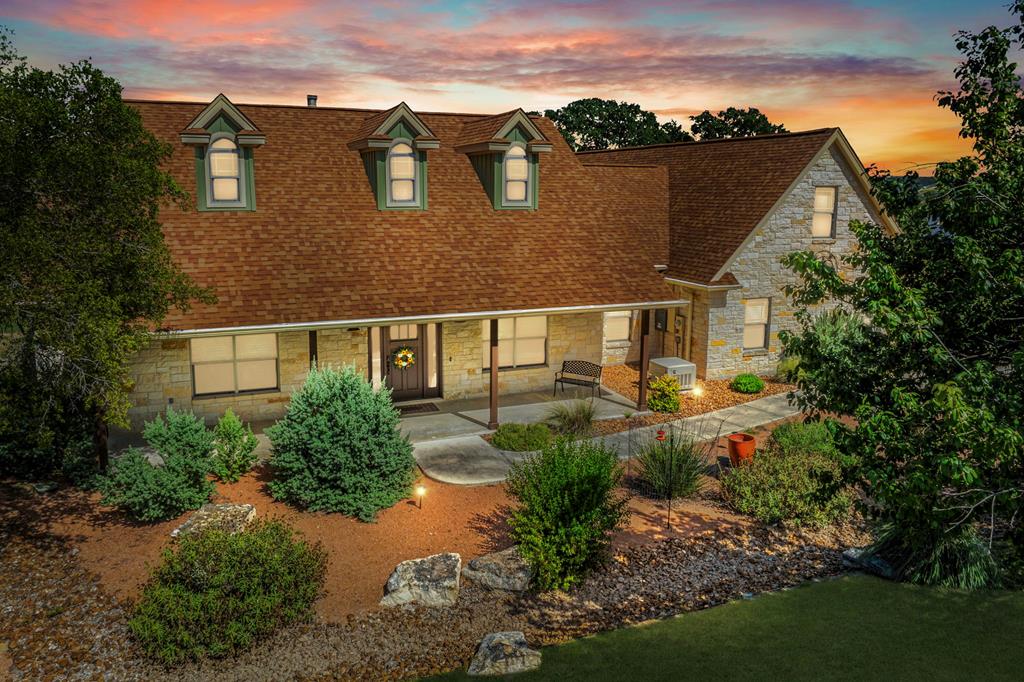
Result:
x=86 y=273
x=732 y=122
x=592 y=123
x=926 y=347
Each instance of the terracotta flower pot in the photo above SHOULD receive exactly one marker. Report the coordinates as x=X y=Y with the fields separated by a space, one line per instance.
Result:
x=741 y=448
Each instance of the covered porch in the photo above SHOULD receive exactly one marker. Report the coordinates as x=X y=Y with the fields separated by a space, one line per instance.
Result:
x=438 y=419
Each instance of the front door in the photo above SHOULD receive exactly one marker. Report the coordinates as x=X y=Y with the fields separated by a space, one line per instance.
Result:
x=405 y=383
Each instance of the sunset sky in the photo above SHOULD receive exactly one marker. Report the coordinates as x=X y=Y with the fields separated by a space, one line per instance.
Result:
x=869 y=66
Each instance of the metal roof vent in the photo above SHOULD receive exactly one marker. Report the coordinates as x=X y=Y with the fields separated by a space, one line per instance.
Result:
x=311 y=100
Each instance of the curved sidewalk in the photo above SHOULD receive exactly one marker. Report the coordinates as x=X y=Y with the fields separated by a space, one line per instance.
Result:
x=470 y=460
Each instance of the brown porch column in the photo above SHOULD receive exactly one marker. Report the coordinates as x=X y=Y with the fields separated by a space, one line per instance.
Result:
x=645 y=357
x=492 y=423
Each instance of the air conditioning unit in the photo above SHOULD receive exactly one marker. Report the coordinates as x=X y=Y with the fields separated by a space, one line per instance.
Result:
x=684 y=371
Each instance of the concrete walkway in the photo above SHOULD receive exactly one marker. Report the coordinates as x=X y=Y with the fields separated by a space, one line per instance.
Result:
x=470 y=460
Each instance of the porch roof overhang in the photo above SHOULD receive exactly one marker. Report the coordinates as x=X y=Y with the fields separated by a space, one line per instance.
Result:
x=422 y=319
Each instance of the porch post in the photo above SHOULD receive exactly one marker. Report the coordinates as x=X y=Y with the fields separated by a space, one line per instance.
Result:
x=492 y=423
x=645 y=357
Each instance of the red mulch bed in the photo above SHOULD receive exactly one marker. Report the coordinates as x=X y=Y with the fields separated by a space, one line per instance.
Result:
x=715 y=394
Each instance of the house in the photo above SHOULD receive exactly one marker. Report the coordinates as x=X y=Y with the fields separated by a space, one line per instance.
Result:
x=736 y=206
x=481 y=248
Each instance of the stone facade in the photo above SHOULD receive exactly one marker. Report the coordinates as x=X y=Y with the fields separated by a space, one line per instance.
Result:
x=718 y=351
x=162 y=375
x=716 y=342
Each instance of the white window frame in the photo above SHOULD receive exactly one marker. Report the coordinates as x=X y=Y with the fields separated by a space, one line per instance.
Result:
x=234 y=361
x=832 y=214
x=505 y=201
x=485 y=343
x=391 y=201
x=765 y=325
x=241 y=202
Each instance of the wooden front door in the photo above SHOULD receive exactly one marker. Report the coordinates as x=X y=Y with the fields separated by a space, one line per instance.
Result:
x=405 y=384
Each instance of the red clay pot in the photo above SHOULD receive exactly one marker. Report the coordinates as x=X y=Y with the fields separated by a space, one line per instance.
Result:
x=741 y=448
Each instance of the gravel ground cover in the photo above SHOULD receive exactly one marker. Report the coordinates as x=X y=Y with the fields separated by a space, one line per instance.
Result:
x=61 y=621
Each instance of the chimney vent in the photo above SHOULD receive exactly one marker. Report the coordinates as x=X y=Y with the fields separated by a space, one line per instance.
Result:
x=311 y=100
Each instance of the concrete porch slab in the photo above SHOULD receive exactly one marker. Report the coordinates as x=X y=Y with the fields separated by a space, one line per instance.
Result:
x=536 y=412
x=427 y=427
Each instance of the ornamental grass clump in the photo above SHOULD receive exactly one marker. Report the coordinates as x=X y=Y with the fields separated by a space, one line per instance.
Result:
x=218 y=593
x=574 y=419
x=339 y=449
x=149 y=492
x=674 y=467
x=567 y=507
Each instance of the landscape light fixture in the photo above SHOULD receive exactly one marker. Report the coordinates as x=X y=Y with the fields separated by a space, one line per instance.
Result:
x=698 y=391
x=420 y=492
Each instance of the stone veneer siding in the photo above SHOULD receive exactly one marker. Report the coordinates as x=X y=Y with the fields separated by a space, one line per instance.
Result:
x=161 y=373
x=718 y=351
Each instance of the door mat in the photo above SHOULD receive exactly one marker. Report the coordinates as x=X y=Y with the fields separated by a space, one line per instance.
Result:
x=422 y=408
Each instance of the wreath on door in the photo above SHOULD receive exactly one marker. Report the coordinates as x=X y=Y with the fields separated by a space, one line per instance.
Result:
x=403 y=357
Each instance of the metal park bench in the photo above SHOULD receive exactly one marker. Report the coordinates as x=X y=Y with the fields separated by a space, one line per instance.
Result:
x=578 y=373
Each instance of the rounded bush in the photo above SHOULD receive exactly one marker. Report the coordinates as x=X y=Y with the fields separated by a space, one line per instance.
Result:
x=338 y=448
x=521 y=437
x=663 y=394
x=218 y=593
x=747 y=383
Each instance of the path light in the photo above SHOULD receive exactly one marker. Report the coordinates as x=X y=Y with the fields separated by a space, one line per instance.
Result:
x=698 y=391
x=420 y=492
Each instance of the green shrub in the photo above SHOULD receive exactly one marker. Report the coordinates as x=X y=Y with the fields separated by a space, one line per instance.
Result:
x=747 y=383
x=338 y=448
x=80 y=466
x=959 y=558
x=182 y=433
x=788 y=368
x=234 y=448
x=156 y=493
x=521 y=437
x=567 y=507
x=796 y=478
x=217 y=593
x=663 y=394
x=674 y=467
x=574 y=419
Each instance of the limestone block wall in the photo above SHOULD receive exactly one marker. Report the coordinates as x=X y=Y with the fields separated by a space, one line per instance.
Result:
x=570 y=337
x=761 y=274
x=162 y=376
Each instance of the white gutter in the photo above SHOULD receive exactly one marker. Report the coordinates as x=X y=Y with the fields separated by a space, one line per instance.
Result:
x=709 y=287
x=419 y=319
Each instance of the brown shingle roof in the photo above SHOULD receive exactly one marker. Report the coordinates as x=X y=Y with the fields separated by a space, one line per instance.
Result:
x=317 y=248
x=720 y=191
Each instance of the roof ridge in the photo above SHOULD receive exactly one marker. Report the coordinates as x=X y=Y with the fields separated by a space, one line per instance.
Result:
x=369 y=110
x=748 y=138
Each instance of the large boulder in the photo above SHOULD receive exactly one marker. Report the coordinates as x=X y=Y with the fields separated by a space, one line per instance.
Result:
x=431 y=581
x=231 y=518
x=504 y=570
x=859 y=558
x=502 y=653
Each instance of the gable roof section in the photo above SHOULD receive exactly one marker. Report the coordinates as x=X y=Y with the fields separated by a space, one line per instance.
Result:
x=377 y=126
x=721 y=190
x=490 y=132
x=317 y=250
x=196 y=131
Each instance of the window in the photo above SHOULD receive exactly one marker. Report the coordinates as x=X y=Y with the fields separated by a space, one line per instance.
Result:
x=225 y=173
x=517 y=176
x=401 y=175
x=401 y=332
x=522 y=342
x=824 y=223
x=617 y=325
x=755 y=323
x=234 y=364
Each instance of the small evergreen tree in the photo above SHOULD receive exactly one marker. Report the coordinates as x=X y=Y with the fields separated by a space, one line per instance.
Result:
x=234 y=448
x=339 y=449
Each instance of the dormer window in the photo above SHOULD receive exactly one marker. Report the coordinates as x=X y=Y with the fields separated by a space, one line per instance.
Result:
x=224 y=172
x=402 y=178
x=517 y=176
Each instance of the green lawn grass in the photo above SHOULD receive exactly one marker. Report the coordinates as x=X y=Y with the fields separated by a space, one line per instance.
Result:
x=855 y=628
